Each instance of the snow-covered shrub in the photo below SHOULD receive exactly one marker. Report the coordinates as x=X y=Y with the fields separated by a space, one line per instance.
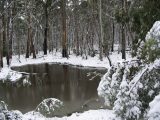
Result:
x=122 y=97
x=115 y=83
x=149 y=50
x=105 y=86
x=50 y=107
x=13 y=115
x=127 y=105
x=154 y=112
x=151 y=82
x=142 y=89
x=109 y=85
x=5 y=114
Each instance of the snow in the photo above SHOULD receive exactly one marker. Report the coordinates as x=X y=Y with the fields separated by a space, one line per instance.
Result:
x=154 y=32
x=50 y=106
x=8 y=74
x=73 y=60
x=88 y=115
x=137 y=77
x=154 y=112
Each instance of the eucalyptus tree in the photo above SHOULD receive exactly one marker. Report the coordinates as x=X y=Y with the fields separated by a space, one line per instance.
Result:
x=3 y=30
x=30 y=7
x=1 y=40
x=122 y=17
x=76 y=25
x=123 y=3
x=47 y=6
x=7 y=25
x=101 y=30
x=64 y=34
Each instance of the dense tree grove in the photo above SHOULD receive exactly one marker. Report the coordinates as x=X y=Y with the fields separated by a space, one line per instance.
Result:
x=84 y=27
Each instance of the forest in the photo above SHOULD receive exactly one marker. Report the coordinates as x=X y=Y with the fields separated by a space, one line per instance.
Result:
x=85 y=27
x=114 y=44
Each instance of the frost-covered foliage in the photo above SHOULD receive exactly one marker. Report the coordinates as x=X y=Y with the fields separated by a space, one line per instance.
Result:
x=127 y=105
x=154 y=33
x=122 y=97
x=151 y=82
x=105 y=86
x=109 y=85
x=50 y=107
x=136 y=88
x=149 y=50
x=154 y=112
x=142 y=89
x=116 y=81
x=13 y=115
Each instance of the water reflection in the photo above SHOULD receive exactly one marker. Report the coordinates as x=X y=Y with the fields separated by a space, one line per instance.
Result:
x=67 y=83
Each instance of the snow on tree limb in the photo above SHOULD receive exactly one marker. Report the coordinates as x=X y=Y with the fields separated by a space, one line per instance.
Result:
x=137 y=78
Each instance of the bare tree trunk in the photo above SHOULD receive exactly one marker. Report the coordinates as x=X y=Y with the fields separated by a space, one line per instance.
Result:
x=29 y=36
x=11 y=31
x=32 y=46
x=4 y=32
x=123 y=43
x=64 y=35
x=45 y=32
x=1 y=46
x=101 y=30
x=123 y=33
x=76 y=35
x=9 y=35
x=112 y=47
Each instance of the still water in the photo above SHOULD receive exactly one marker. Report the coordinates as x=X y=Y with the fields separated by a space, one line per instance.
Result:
x=67 y=83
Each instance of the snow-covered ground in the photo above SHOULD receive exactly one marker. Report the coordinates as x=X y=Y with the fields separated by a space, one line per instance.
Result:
x=73 y=60
x=88 y=115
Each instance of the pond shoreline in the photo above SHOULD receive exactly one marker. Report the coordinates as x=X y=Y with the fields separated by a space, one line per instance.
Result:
x=79 y=61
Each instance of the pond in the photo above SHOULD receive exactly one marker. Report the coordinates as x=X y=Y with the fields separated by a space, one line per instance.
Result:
x=67 y=83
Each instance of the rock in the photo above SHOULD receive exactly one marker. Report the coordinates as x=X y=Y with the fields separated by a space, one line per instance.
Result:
x=51 y=107
x=3 y=106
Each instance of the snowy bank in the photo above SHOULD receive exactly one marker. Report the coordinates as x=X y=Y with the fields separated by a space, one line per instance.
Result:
x=154 y=112
x=55 y=103
x=7 y=74
x=88 y=115
x=56 y=57
x=10 y=75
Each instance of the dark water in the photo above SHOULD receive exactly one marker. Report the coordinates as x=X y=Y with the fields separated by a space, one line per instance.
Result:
x=69 y=84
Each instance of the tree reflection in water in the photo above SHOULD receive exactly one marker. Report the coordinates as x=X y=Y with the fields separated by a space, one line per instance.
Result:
x=69 y=84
